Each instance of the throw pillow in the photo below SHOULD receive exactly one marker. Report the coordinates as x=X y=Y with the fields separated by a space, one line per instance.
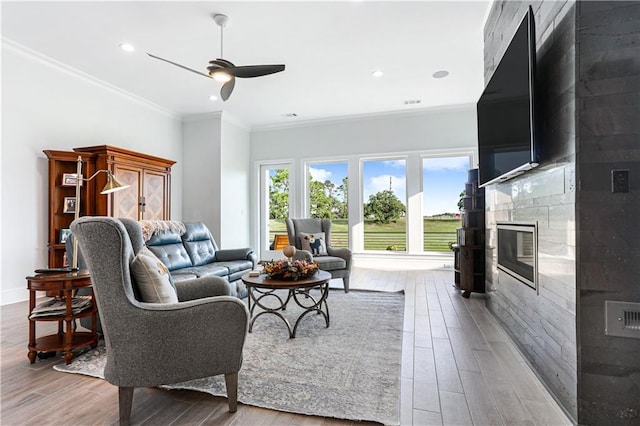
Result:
x=314 y=243
x=152 y=278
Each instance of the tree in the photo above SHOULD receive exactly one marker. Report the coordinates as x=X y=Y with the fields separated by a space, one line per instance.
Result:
x=384 y=207
x=461 y=200
x=319 y=202
x=279 y=195
x=327 y=201
x=341 y=199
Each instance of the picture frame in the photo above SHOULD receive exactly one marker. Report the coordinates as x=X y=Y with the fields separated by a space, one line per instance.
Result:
x=64 y=235
x=69 y=205
x=69 y=179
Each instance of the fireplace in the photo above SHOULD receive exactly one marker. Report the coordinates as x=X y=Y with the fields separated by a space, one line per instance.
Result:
x=517 y=251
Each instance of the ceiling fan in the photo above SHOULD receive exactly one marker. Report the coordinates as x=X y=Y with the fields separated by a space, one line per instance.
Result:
x=224 y=71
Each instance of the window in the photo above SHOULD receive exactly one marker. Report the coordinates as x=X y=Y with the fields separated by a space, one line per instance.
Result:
x=276 y=200
x=443 y=184
x=384 y=209
x=327 y=191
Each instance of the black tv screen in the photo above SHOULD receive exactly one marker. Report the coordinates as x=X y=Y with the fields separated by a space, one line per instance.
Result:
x=506 y=111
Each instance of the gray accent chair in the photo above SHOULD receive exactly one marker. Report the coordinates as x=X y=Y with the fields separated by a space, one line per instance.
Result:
x=338 y=261
x=151 y=344
x=188 y=288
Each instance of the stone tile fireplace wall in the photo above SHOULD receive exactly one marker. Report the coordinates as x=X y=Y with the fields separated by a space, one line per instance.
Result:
x=588 y=58
x=608 y=224
x=542 y=321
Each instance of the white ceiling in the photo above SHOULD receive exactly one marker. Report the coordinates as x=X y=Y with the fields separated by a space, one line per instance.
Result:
x=330 y=50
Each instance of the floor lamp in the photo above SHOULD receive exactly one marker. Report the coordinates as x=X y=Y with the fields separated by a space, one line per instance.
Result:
x=112 y=185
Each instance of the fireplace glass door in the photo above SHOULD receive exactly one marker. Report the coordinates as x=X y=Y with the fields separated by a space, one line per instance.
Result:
x=517 y=251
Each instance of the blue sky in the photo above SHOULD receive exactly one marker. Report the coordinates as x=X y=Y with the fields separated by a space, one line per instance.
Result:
x=443 y=180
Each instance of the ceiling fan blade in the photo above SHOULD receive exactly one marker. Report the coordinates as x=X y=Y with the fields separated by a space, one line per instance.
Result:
x=227 y=88
x=178 y=65
x=223 y=63
x=249 y=71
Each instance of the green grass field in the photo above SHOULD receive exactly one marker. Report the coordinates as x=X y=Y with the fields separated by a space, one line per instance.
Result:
x=438 y=233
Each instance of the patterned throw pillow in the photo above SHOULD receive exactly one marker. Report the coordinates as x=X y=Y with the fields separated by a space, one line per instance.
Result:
x=152 y=278
x=314 y=243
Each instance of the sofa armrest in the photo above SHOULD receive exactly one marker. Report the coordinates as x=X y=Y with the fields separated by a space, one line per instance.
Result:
x=199 y=288
x=234 y=254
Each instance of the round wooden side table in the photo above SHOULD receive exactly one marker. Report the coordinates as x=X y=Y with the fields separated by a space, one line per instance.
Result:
x=66 y=339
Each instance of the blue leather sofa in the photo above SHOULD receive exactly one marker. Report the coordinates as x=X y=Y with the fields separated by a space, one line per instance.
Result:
x=195 y=254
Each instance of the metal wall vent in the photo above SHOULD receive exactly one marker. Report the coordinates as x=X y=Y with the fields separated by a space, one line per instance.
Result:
x=622 y=319
x=632 y=320
x=412 y=102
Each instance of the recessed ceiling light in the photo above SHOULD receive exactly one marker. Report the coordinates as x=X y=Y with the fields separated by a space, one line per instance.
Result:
x=127 y=47
x=440 y=74
x=213 y=98
x=377 y=73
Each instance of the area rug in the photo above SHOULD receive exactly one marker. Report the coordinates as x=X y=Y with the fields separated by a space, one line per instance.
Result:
x=350 y=370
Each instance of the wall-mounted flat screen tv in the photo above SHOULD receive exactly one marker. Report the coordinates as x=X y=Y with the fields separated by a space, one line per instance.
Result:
x=506 y=137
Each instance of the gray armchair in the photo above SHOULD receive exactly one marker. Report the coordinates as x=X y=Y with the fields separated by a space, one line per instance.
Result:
x=337 y=261
x=151 y=344
x=187 y=289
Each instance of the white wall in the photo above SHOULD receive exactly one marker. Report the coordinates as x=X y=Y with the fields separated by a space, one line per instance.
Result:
x=216 y=183
x=234 y=199
x=434 y=129
x=201 y=143
x=48 y=106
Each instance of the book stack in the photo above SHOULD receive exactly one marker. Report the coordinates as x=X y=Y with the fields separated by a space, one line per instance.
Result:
x=58 y=307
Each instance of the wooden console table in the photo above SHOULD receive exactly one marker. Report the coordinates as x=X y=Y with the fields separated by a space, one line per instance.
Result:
x=66 y=339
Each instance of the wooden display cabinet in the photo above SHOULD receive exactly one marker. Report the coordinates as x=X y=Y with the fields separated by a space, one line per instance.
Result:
x=148 y=197
x=63 y=163
x=149 y=177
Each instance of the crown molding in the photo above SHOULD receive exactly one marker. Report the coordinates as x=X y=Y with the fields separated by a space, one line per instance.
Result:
x=33 y=55
x=235 y=120
x=216 y=115
x=192 y=118
x=364 y=117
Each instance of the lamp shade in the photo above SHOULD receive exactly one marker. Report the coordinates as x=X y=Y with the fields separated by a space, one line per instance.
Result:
x=113 y=184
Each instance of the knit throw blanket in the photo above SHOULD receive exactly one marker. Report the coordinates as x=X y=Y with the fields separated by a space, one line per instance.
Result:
x=150 y=227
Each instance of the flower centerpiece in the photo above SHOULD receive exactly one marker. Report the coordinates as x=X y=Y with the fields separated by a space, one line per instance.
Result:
x=291 y=270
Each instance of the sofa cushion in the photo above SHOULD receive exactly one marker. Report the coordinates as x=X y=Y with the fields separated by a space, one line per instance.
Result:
x=199 y=243
x=169 y=249
x=183 y=274
x=210 y=269
x=236 y=266
x=152 y=278
x=314 y=243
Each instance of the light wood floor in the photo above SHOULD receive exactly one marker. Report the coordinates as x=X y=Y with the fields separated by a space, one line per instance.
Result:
x=458 y=368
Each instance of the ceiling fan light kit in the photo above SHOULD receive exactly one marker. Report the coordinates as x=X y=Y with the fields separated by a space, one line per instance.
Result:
x=225 y=71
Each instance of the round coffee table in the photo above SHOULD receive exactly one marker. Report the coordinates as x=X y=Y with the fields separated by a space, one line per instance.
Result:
x=261 y=289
